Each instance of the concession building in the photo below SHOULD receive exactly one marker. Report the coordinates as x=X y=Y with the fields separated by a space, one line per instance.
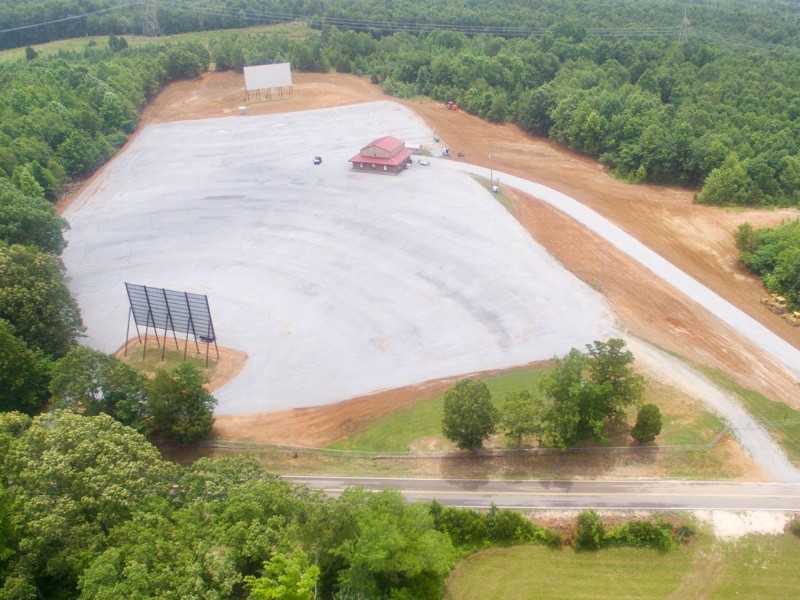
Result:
x=384 y=155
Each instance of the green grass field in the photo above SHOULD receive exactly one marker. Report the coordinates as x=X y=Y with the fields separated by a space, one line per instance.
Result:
x=399 y=431
x=684 y=424
x=753 y=567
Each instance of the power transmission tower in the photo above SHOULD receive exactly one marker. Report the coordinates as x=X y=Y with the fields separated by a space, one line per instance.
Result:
x=150 y=22
x=683 y=38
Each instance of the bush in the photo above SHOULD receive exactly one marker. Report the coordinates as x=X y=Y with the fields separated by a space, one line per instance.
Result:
x=473 y=530
x=591 y=531
x=643 y=534
x=794 y=526
x=465 y=527
x=648 y=424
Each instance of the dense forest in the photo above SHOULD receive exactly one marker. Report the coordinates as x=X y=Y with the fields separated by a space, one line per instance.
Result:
x=753 y=21
x=609 y=79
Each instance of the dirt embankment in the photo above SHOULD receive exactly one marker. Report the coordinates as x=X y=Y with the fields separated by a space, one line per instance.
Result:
x=695 y=238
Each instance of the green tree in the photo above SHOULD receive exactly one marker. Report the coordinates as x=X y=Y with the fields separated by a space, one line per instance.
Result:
x=469 y=415
x=589 y=392
x=24 y=374
x=648 y=424
x=78 y=153
x=611 y=367
x=30 y=221
x=285 y=577
x=180 y=406
x=396 y=549
x=25 y=181
x=728 y=184
x=74 y=479
x=565 y=387
x=90 y=382
x=35 y=300
x=520 y=416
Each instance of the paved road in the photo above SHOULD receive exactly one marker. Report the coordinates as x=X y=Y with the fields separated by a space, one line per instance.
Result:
x=619 y=495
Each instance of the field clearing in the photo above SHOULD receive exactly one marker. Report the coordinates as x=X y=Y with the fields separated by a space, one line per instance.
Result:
x=753 y=567
x=335 y=283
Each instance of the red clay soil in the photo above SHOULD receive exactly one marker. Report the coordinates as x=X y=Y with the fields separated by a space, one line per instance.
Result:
x=695 y=238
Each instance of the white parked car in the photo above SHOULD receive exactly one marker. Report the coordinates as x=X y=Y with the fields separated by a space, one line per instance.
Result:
x=424 y=162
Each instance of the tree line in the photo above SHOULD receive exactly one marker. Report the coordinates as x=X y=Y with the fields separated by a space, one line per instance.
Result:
x=756 y=21
x=584 y=397
x=89 y=509
x=60 y=117
x=699 y=114
x=702 y=114
x=773 y=253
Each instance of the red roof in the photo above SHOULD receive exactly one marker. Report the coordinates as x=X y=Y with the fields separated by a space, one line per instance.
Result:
x=387 y=143
x=398 y=158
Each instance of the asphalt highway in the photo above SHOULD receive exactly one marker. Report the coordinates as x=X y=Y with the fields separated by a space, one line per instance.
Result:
x=541 y=494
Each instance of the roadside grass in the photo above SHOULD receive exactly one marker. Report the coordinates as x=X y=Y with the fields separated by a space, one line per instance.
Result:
x=400 y=431
x=500 y=195
x=151 y=362
x=782 y=421
x=537 y=572
x=758 y=567
x=752 y=567
x=684 y=422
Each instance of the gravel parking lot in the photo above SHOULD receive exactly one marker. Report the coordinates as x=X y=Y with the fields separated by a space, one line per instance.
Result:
x=336 y=283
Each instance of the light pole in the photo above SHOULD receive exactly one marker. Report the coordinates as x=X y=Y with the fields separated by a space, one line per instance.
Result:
x=491 y=175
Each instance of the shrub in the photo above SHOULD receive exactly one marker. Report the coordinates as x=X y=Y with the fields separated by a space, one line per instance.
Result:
x=465 y=527
x=591 y=531
x=794 y=526
x=643 y=534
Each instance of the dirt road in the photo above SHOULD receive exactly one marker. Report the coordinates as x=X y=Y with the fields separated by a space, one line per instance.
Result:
x=697 y=239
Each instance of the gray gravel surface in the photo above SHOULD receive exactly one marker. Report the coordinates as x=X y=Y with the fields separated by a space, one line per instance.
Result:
x=336 y=283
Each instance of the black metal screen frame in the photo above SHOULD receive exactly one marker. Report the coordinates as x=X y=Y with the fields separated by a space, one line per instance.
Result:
x=170 y=311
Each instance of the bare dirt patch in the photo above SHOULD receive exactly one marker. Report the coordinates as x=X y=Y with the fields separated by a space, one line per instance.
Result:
x=220 y=370
x=697 y=239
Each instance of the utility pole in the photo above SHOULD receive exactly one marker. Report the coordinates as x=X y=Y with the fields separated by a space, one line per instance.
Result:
x=150 y=20
x=683 y=38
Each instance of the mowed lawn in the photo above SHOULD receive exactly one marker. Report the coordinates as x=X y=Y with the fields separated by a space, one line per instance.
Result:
x=399 y=431
x=754 y=567
x=685 y=422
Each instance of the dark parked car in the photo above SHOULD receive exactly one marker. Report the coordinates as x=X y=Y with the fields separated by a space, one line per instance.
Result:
x=317 y=160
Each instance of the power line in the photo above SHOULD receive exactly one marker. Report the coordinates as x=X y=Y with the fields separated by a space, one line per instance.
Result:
x=150 y=26
x=685 y=24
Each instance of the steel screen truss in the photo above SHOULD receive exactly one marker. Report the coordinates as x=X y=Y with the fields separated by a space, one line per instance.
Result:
x=170 y=311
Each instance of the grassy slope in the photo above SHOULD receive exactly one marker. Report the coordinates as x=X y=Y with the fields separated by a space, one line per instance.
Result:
x=753 y=567
x=397 y=432
x=782 y=421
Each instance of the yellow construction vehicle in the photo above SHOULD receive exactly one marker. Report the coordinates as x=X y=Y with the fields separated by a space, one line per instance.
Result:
x=775 y=303
x=793 y=318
